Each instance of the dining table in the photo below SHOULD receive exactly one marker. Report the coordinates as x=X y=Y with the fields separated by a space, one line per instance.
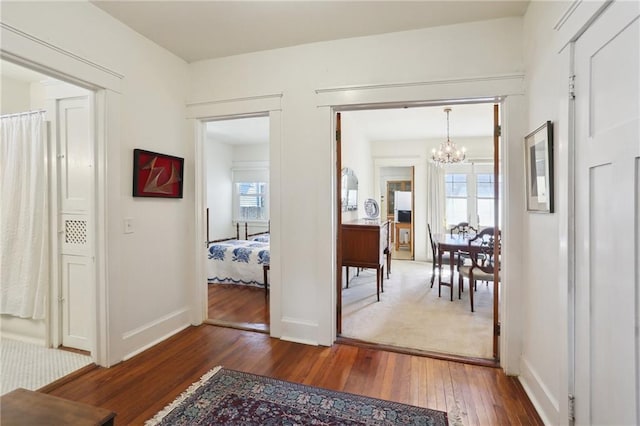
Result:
x=452 y=243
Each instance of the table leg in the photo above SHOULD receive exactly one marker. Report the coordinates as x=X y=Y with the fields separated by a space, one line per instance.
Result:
x=347 y=277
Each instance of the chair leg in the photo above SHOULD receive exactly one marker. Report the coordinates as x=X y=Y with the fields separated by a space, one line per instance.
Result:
x=433 y=273
x=471 y=291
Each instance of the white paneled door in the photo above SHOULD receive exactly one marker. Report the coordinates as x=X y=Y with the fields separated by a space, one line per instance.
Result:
x=607 y=148
x=75 y=155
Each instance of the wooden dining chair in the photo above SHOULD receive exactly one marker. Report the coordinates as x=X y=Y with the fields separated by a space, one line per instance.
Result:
x=463 y=228
x=434 y=253
x=483 y=262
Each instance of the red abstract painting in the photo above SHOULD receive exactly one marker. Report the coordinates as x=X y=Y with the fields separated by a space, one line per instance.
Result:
x=157 y=175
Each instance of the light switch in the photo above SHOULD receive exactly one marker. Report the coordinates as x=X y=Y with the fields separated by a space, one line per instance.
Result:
x=128 y=225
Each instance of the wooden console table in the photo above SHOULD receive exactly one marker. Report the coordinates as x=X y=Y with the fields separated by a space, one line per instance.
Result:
x=365 y=244
x=24 y=407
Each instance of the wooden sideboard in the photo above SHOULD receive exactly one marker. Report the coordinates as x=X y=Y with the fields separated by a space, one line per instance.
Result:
x=366 y=244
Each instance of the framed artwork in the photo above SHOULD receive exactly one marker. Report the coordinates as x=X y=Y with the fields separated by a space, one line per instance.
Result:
x=539 y=168
x=157 y=175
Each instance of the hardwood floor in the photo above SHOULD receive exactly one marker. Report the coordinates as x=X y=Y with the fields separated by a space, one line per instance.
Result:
x=243 y=306
x=139 y=387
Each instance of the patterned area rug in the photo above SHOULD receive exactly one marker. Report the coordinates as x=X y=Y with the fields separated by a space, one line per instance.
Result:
x=225 y=397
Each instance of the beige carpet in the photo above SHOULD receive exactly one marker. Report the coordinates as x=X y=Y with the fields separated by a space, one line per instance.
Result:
x=411 y=315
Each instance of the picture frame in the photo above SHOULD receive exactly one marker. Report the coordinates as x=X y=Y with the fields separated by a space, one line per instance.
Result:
x=157 y=175
x=539 y=169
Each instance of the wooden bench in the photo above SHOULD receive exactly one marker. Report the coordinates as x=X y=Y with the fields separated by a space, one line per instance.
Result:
x=25 y=407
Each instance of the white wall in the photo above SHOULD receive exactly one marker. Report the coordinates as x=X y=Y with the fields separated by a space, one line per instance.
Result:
x=14 y=96
x=544 y=355
x=480 y=49
x=356 y=155
x=153 y=264
x=219 y=160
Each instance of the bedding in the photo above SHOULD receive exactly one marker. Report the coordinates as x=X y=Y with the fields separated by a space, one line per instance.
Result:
x=238 y=262
x=262 y=238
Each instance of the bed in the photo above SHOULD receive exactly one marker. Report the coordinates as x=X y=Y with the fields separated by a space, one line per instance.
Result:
x=241 y=262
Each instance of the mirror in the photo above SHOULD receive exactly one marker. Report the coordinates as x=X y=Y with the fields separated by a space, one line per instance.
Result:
x=349 y=194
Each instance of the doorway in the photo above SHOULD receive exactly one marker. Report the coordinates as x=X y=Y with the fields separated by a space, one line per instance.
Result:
x=398 y=205
x=407 y=294
x=236 y=162
x=67 y=190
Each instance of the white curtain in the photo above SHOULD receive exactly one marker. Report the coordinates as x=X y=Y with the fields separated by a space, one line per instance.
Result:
x=436 y=200
x=24 y=228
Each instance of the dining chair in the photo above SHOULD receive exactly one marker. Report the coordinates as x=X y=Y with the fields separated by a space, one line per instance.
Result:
x=434 y=253
x=483 y=262
x=462 y=228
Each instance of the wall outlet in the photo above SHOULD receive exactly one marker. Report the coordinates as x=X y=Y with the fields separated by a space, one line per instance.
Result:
x=128 y=225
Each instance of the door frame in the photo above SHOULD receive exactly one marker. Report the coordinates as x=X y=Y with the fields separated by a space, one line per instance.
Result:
x=198 y=114
x=496 y=142
x=105 y=84
x=506 y=89
x=203 y=122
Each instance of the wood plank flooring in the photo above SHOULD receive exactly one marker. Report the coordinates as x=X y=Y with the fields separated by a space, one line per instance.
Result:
x=244 y=306
x=139 y=387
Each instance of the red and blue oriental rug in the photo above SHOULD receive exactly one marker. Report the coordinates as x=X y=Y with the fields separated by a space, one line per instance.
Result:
x=228 y=397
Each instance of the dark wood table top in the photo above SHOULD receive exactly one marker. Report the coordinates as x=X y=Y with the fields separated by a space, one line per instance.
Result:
x=25 y=407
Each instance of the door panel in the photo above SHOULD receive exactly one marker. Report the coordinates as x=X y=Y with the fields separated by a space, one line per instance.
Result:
x=75 y=192
x=76 y=276
x=607 y=149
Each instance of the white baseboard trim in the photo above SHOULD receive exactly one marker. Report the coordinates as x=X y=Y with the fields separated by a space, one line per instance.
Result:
x=22 y=338
x=294 y=329
x=545 y=404
x=146 y=336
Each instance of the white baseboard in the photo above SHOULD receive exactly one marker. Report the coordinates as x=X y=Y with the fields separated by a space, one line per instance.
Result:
x=150 y=334
x=544 y=402
x=24 y=329
x=297 y=330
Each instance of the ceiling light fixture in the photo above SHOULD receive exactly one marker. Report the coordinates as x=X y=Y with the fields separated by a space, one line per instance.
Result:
x=448 y=153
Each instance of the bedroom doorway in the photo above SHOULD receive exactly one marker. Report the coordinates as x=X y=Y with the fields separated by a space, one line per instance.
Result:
x=236 y=160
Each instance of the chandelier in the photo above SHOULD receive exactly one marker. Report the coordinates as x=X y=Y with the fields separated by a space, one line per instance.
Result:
x=448 y=152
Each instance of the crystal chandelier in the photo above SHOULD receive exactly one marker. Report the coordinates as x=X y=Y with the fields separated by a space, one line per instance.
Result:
x=448 y=152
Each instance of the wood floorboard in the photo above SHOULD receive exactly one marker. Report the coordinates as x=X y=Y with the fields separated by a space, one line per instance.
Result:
x=138 y=388
x=243 y=305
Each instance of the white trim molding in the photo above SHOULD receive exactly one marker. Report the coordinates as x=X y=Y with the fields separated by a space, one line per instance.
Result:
x=39 y=55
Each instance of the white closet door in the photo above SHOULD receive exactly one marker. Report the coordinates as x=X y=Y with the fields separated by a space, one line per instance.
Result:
x=607 y=225
x=75 y=201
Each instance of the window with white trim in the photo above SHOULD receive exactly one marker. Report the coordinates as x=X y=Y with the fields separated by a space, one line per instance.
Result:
x=251 y=194
x=456 y=198
x=469 y=192
x=251 y=201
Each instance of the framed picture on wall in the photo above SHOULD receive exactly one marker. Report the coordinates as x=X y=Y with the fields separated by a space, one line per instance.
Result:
x=157 y=175
x=539 y=168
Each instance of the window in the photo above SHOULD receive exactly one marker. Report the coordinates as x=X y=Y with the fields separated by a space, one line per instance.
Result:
x=469 y=192
x=251 y=204
x=485 y=198
x=456 y=198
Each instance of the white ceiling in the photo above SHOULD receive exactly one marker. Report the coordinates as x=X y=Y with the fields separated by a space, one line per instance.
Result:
x=197 y=30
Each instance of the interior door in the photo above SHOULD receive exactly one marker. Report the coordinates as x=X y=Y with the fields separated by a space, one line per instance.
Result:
x=75 y=200
x=607 y=177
